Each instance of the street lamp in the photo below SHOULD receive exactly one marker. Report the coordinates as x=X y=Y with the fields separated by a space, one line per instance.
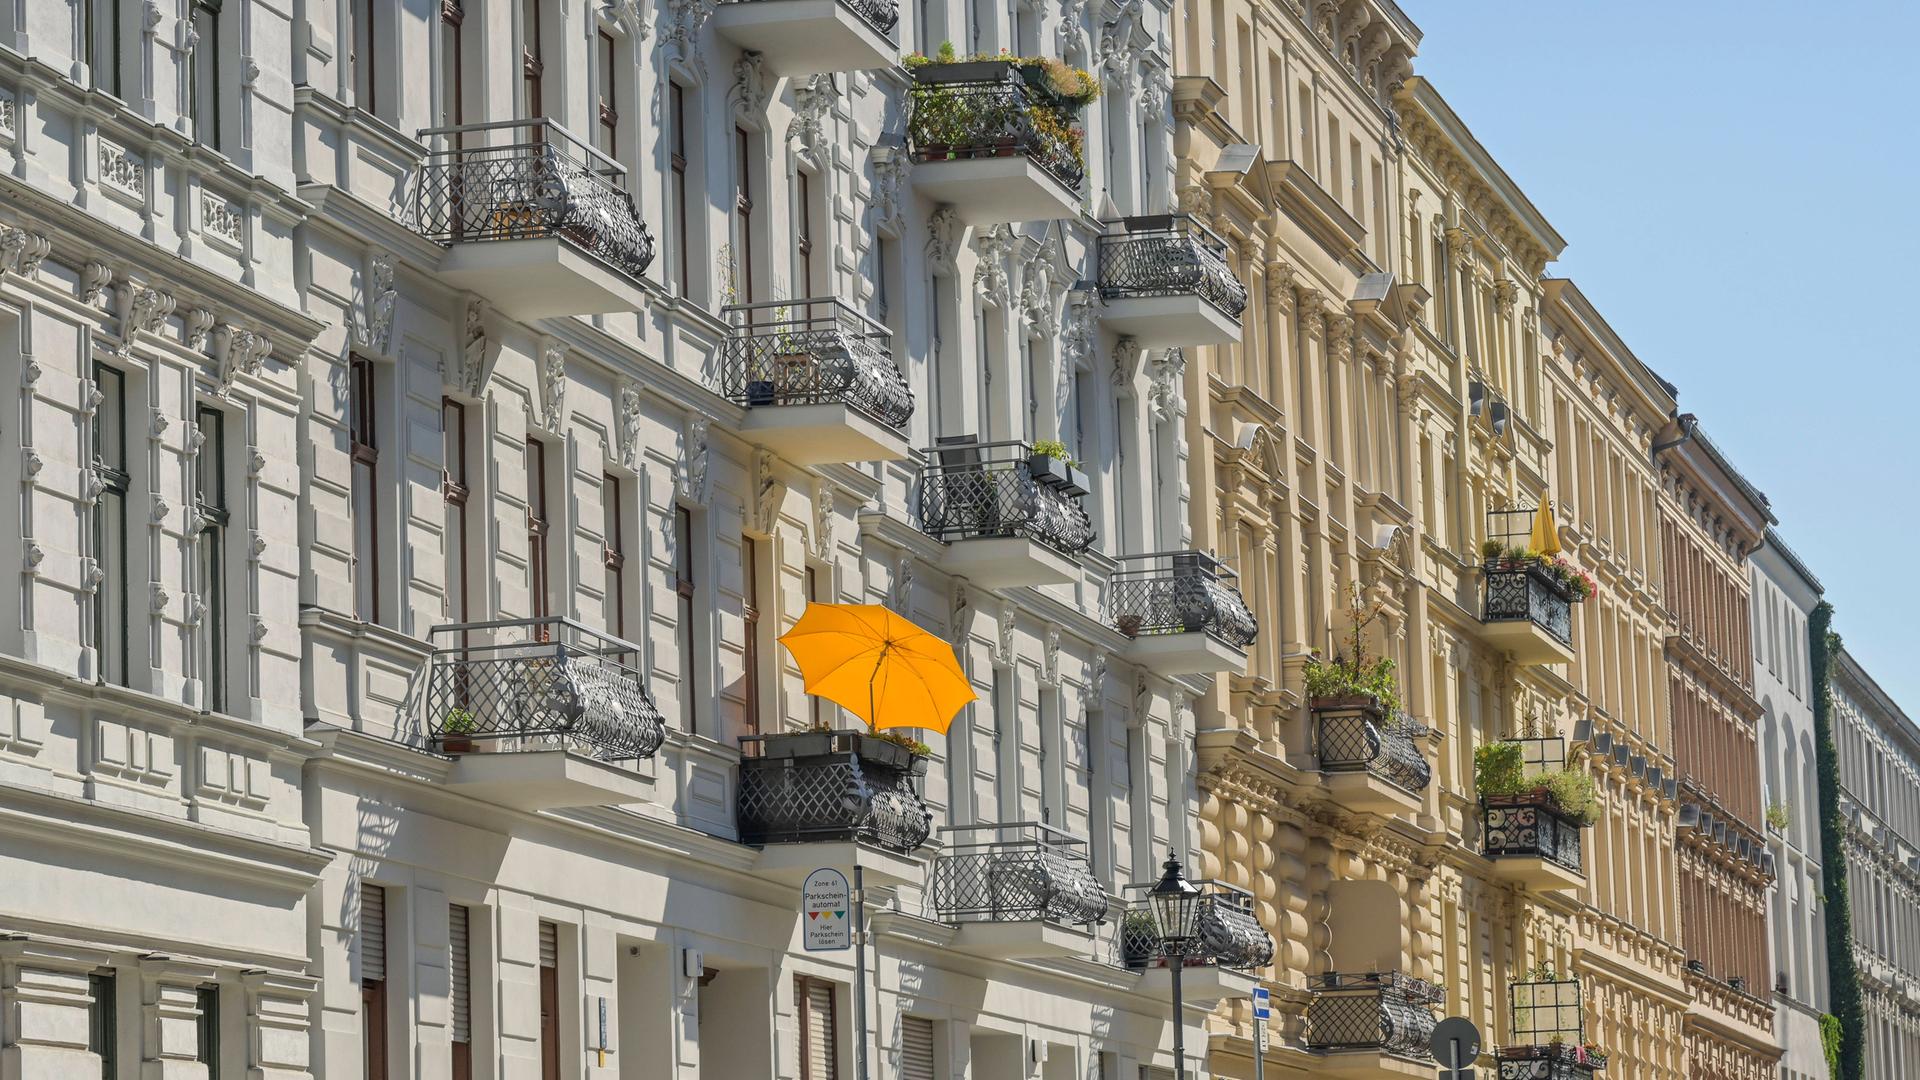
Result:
x=1175 y=904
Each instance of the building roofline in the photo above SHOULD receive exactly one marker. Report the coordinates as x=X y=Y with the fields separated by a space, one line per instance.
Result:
x=1857 y=673
x=1661 y=394
x=1792 y=559
x=1509 y=192
x=1725 y=464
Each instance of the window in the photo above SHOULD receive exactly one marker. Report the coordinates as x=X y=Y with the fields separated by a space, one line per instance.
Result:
x=460 y=990
x=613 y=554
x=207 y=1030
x=210 y=499
x=917 y=1049
x=750 y=615
x=203 y=75
x=103 y=1022
x=1303 y=120
x=1336 y=180
x=110 y=623
x=1356 y=195
x=683 y=586
x=373 y=981
x=743 y=214
x=819 y=1056
x=366 y=507
x=530 y=66
x=455 y=492
x=100 y=42
x=803 y=233
x=609 y=109
x=452 y=64
x=549 y=1001
x=537 y=529
x=365 y=82
x=676 y=104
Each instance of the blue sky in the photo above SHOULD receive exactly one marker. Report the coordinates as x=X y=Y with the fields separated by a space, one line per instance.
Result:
x=1736 y=184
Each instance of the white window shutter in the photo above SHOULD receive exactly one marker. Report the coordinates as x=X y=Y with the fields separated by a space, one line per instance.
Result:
x=916 y=1048
x=460 y=973
x=373 y=933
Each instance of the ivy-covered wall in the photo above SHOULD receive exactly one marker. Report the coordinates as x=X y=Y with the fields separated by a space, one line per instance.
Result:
x=1843 y=978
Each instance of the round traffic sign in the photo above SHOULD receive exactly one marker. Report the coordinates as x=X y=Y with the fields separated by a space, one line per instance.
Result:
x=1455 y=1035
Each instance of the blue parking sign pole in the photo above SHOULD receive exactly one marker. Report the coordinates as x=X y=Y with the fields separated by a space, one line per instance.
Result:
x=1262 y=1012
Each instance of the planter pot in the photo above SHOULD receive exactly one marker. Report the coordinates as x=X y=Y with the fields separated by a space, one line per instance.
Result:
x=1055 y=473
x=889 y=755
x=1128 y=624
x=918 y=765
x=456 y=744
x=1345 y=703
x=1076 y=482
x=798 y=744
x=759 y=392
x=963 y=71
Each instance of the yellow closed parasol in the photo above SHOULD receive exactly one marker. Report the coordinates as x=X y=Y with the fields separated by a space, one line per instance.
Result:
x=1545 y=538
x=878 y=666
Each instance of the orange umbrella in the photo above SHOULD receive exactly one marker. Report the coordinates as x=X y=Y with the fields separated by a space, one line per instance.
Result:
x=878 y=666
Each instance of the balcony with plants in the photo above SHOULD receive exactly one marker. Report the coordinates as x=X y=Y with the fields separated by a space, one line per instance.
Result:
x=1008 y=512
x=1376 y=1023
x=534 y=219
x=1549 y=1031
x=1165 y=282
x=818 y=381
x=1222 y=961
x=821 y=796
x=1020 y=890
x=801 y=38
x=1181 y=613
x=538 y=713
x=1527 y=607
x=1534 y=802
x=998 y=137
x=1371 y=758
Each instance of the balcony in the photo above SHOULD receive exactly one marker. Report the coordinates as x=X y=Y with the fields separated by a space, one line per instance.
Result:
x=987 y=139
x=535 y=712
x=1376 y=1024
x=824 y=798
x=534 y=220
x=1552 y=1061
x=1531 y=842
x=1023 y=890
x=798 y=38
x=1221 y=963
x=1007 y=519
x=1182 y=614
x=818 y=381
x=1370 y=761
x=1549 y=1032
x=1527 y=613
x=1165 y=282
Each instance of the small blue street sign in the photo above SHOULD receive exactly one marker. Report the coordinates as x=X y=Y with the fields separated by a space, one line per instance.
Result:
x=1262 y=1003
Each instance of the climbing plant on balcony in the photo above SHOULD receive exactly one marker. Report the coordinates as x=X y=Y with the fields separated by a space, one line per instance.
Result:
x=1499 y=769
x=1843 y=977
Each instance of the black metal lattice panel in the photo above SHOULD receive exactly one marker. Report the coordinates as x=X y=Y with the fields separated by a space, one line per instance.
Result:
x=814 y=359
x=1383 y=1011
x=1186 y=596
x=1528 y=826
x=1527 y=593
x=830 y=797
x=1001 y=499
x=1355 y=740
x=1176 y=259
x=1017 y=882
x=540 y=695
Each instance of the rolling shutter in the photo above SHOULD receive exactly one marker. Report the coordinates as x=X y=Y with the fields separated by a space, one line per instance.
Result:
x=916 y=1048
x=460 y=973
x=373 y=933
x=818 y=1054
x=549 y=945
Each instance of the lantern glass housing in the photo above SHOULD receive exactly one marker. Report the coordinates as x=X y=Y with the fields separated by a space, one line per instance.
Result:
x=1175 y=903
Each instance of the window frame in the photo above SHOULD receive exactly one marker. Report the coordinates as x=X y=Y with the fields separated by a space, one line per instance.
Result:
x=803 y=229
x=743 y=216
x=210 y=471
x=677 y=160
x=452 y=86
x=539 y=532
x=607 y=92
x=456 y=496
x=532 y=63
x=203 y=71
x=363 y=451
x=613 y=553
x=750 y=633
x=110 y=516
x=686 y=590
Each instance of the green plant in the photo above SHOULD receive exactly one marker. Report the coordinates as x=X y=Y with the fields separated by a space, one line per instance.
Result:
x=1338 y=678
x=1490 y=549
x=1843 y=975
x=1573 y=791
x=902 y=739
x=1779 y=816
x=1052 y=448
x=1514 y=555
x=459 y=721
x=1499 y=769
x=1830 y=1042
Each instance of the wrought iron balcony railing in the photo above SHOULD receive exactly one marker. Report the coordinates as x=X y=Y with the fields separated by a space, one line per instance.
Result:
x=988 y=109
x=882 y=15
x=1549 y=1061
x=1526 y=592
x=827 y=786
x=1169 y=255
x=1382 y=1010
x=1529 y=825
x=1020 y=872
x=977 y=490
x=537 y=684
x=1366 y=740
x=1228 y=934
x=1179 y=592
x=529 y=179
x=812 y=352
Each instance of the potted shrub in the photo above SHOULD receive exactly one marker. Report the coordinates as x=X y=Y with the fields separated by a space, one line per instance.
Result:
x=1777 y=817
x=1500 y=778
x=1362 y=682
x=896 y=749
x=456 y=731
x=1050 y=466
x=1139 y=936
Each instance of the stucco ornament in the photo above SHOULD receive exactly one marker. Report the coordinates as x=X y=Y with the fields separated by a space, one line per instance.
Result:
x=693 y=462
x=21 y=251
x=553 y=385
x=627 y=424
x=823 y=519
x=236 y=352
x=891 y=170
x=94 y=278
x=943 y=239
x=680 y=29
x=466 y=371
x=142 y=309
x=628 y=16
x=901 y=596
x=769 y=492
x=990 y=281
x=1165 y=371
x=752 y=87
x=812 y=104
x=381 y=298
x=1039 y=294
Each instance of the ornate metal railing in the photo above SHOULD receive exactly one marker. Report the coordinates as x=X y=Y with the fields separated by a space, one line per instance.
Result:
x=882 y=15
x=1169 y=255
x=1355 y=740
x=537 y=684
x=528 y=179
x=1228 y=934
x=987 y=109
x=1529 y=825
x=825 y=786
x=1179 y=592
x=977 y=490
x=1381 y=1010
x=1549 y=1061
x=1528 y=592
x=812 y=352
x=1019 y=872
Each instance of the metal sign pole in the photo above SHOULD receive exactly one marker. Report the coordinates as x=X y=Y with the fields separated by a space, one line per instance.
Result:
x=1262 y=1009
x=859 y=974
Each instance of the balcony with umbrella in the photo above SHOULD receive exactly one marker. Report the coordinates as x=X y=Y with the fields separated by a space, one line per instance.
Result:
x=1527 y=606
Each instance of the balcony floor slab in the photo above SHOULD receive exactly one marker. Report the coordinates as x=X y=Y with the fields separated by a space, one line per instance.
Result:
x=545 y=779
x=1360 y=789
x=789 y=864
x=995 y=190
x=1204 y=984
x=1370 y=1065
x=804 y=37
x=1187 y=653
x=824 y=434
x=1032 y=940
x=539 y=278
x=1536 y=873
x=1001 y=562
x=1159 y=322
x=1526 y=642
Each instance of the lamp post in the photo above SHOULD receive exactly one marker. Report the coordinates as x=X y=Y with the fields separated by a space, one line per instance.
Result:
x=1176 y=907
